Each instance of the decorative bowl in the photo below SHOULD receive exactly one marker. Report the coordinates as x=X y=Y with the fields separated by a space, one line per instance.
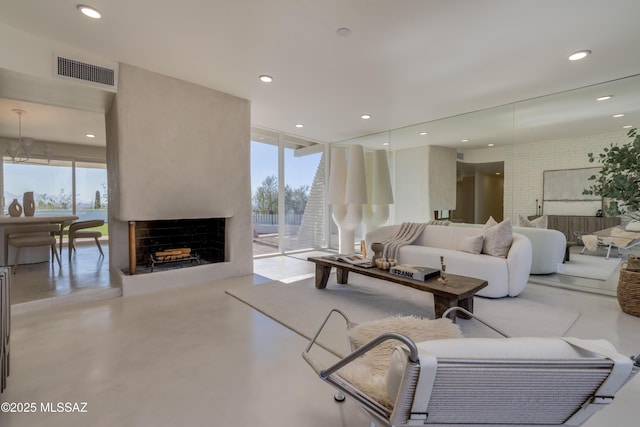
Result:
x=385 y=263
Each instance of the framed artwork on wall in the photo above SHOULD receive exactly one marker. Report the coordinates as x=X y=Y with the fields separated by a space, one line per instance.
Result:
x=562 y=192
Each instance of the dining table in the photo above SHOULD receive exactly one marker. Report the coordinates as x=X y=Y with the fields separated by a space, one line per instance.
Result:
x=35 y=254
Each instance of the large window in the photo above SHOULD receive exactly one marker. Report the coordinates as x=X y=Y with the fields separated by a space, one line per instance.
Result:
x=59 y=187
x=264 y=193
x=304 y=213
x=287 y=180
x=91 y=191
x=52 y=186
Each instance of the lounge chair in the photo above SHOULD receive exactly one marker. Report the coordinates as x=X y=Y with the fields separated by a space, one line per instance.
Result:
x=486 y=381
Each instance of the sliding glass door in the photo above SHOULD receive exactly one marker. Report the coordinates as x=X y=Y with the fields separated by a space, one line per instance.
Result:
x=287 y=184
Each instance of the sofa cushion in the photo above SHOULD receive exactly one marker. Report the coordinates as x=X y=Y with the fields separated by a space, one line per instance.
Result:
x=472 y=244
x=497 y=238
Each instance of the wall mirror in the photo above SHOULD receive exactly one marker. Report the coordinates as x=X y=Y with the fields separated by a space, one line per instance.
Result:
x=548 y=133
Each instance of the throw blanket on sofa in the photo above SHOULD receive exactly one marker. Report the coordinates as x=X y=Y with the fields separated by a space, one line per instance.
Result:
x=409 y=231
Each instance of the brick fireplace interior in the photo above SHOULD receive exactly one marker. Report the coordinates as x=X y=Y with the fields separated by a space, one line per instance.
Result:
x=205 y=237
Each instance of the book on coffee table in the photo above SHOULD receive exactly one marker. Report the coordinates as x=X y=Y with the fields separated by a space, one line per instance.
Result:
x=355 y=259
x=415 y=272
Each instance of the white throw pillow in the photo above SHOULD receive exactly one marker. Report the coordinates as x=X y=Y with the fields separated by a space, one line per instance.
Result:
x=540 y=222
x=497 y=238
x=472 y=244
x=490 y=223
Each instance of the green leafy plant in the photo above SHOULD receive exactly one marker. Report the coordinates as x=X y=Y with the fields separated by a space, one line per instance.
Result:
x=619 y=178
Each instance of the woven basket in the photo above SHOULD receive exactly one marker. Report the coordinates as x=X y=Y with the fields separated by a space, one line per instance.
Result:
x=629 y=291
x=633 y=263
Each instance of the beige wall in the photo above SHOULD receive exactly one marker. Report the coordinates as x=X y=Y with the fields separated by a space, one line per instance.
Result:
x=425 y=180
x=178 y=150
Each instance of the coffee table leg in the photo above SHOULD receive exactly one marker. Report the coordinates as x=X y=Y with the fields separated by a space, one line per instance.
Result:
x=322 y=276
x=442 y=304
x=342 y=275
x=467 y=304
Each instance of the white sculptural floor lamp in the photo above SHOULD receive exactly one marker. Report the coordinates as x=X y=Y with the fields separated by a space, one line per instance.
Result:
x=347 y=193
x=379 y=192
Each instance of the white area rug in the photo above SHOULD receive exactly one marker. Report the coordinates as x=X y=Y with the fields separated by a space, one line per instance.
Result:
x=301 y=307
x=590 y=267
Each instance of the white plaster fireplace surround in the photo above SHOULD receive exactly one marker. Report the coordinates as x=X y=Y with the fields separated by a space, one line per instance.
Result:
x=176 y=150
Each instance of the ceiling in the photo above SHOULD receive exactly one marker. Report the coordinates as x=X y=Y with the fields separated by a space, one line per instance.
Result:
x=404 y=62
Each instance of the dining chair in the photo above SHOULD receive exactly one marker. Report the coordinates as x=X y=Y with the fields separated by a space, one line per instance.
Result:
x=28 y=236
x=64 y=231
x=80 y=230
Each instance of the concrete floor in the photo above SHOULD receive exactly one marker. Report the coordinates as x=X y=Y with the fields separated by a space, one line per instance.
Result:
x=195 y=356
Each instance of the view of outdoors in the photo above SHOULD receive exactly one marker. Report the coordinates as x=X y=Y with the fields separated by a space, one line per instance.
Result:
x=52 y=187
x=299 y=173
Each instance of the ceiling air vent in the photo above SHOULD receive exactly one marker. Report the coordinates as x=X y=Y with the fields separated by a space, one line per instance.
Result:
x=104 y=77
x=460 y=156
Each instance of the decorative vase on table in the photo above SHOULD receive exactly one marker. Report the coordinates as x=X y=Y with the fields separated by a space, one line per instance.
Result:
x=15 y=209
x=28 y=204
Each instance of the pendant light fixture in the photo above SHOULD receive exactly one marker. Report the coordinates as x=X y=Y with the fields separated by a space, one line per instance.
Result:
x=20 y=150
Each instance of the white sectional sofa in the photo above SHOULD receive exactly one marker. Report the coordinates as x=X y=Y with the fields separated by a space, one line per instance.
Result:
x=506 y=276
x=548 y=246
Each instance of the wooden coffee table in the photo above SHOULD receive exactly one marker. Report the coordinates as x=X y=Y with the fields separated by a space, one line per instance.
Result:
x=458 y=291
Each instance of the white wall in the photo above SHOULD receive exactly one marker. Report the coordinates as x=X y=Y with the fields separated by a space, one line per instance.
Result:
x=179 y=150
x=531 y=160
x=425 y=180
x=524 y=165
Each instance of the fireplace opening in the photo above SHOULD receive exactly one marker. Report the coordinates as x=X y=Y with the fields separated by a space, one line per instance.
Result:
x=175 y=243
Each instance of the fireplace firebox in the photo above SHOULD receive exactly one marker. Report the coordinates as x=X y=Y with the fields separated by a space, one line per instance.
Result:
x=175 y=243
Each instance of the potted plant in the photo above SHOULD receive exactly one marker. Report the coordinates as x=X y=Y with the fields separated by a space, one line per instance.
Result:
x=619 y=181
x=619 y=178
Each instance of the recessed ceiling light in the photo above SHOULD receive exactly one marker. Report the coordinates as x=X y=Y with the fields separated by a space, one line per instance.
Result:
x=464 y=140
x=90 y=135
x=343 y=32
x=627 y=127
x=299 y=125
x=581 y=54
x=618 y=115
x=89 y=11
x=490 y=145
x=385 y=143
x=423 y=133
x=366 y=116
x=604 y=98
x=265 y=78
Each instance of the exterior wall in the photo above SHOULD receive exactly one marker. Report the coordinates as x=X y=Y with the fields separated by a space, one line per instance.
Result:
x=312 y=229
